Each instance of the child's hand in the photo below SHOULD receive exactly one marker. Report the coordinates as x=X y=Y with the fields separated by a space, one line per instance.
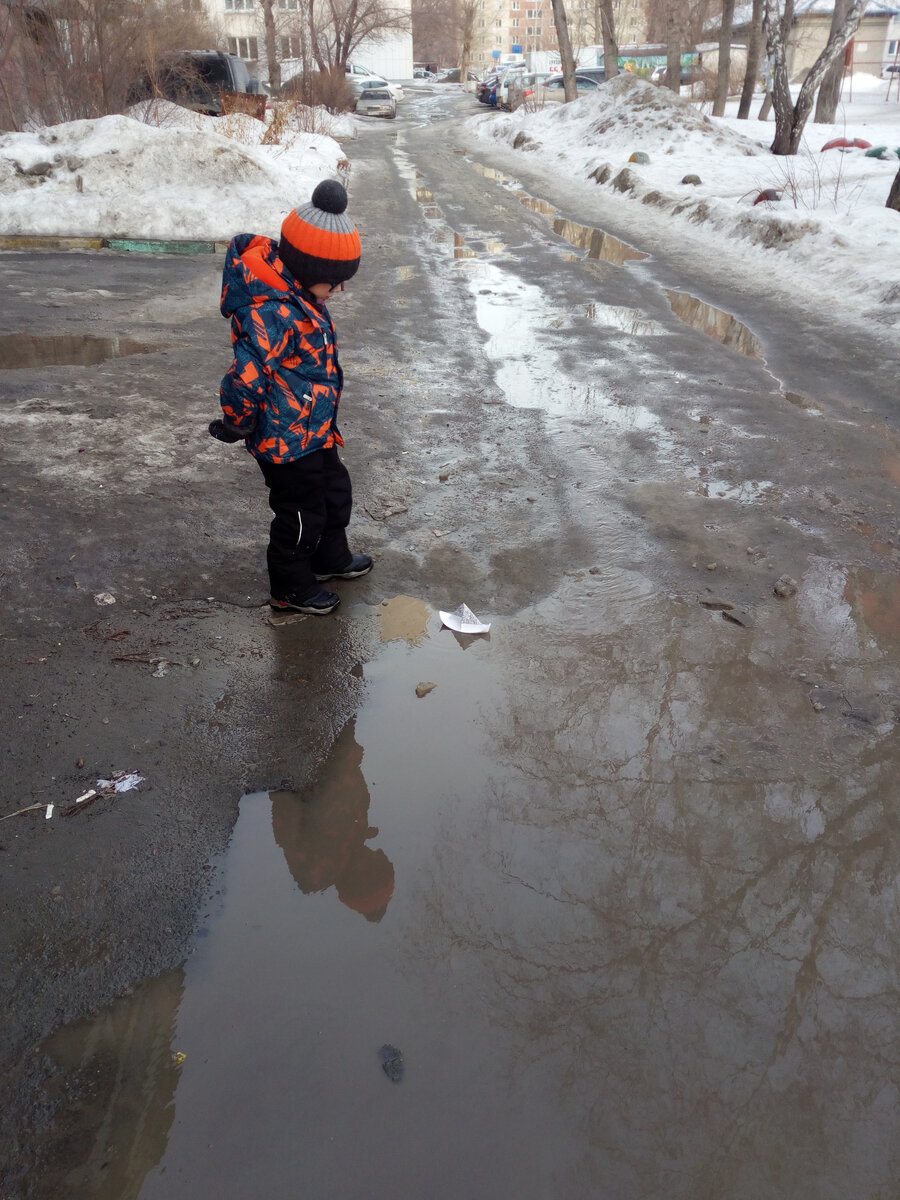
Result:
x=218 y=429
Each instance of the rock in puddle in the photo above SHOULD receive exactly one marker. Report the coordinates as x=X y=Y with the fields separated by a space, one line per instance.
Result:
x=391 y=1062
x=785 y=587
x=422 y=689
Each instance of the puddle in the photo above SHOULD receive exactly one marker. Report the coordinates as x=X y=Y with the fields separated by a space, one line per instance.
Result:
x=875 y=596
x=721 y=326
x=403 y=618
x=801 y=401
x=21 y=352
x=516 y=882
x=629 y=320
x=460 y=249
x=747 y=492
x=544 y=207
x=598 y=244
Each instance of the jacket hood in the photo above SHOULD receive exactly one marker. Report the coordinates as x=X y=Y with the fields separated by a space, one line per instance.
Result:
x=253 y=272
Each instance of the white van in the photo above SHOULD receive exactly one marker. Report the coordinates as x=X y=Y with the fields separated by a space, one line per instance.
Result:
x=356 y=73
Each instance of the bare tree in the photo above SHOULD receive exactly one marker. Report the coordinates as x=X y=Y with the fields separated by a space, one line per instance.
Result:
x=754 y=55
x=893 y=200
x=436 y=26
x=566 y=57
x=723 y=76
x=64 y=61
x=270 y=42
x=337 y=27
x=605 y=23
x=791 y=118
x=466 y=15
x=830 y=91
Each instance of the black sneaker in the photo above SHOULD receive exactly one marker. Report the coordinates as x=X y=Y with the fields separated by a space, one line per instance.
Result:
x=319 y=603
x=359 y=564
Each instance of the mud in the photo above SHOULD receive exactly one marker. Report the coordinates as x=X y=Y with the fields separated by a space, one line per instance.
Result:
x=621 y=885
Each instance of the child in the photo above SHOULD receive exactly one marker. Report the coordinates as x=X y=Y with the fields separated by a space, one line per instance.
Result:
x=282 y=391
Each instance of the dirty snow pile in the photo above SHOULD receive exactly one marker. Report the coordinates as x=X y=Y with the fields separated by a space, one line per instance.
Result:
x=172 y=174
x=830 y=224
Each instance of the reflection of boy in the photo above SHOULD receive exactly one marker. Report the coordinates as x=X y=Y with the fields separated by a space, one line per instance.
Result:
x=283 y=389
x=324 y=836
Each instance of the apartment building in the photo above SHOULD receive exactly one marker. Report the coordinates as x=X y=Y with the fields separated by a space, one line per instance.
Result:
x=505 y=29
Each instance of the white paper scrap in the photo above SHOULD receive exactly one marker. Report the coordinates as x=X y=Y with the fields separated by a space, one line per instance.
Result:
x=121 y=783
x=86 y=796
x=49 y=812
x=463 y=621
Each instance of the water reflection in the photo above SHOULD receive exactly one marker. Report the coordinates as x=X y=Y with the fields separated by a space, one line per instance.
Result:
x=597 y=243
x=20 y=351
x=324 y=834
x=715 y=323
x=112 y=1080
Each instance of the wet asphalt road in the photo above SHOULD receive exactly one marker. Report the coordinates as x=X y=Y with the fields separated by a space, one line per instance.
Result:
x=622 y=887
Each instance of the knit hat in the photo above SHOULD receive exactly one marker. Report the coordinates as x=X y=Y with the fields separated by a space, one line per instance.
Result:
x=318 y=243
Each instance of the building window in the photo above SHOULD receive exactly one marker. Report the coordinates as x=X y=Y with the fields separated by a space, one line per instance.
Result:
x=515 y=22
x=238 y=5
x=290 y=47
x=245 y=48
x=289 y=5
x=515 y=5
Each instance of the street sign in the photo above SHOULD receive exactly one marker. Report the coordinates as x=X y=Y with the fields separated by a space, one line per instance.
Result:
x=495 y=54
x=517 y=49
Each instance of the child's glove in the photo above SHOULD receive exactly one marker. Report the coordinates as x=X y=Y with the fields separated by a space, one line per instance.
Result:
x=218 y=429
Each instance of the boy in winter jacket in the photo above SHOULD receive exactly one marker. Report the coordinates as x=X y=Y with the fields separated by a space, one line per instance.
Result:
x=282 y=392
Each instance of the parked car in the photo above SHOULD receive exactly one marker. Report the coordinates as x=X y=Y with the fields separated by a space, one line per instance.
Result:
x=357 y=74
x=523 y=88
x=376 y=101
x=485 y=87
x=452 y=76
x=196 y=79
x=552 y=90
x=689 y=74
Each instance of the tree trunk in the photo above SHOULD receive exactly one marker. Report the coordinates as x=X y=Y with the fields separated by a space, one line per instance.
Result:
x=754 y=54
x=830 y=91
x=893 y=200
x=566 y=56
x=272 y=63
x=790 y=119
x=673 y=50
x=610 y=45
x=724 y=73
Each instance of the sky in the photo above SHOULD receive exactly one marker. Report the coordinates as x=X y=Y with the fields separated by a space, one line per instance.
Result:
x=163 y=172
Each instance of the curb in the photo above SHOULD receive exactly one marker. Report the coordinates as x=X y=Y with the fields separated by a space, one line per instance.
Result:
x=15 y=241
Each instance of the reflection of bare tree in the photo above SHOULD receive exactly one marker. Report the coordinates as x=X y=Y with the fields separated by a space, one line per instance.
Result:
x=682 y=901
x=120 y=1067
x=323 y=834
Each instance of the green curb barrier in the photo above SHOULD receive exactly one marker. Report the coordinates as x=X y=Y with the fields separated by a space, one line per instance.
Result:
x=18 y=241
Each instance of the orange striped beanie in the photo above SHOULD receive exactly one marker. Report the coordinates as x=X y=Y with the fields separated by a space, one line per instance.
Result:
x=319 y=244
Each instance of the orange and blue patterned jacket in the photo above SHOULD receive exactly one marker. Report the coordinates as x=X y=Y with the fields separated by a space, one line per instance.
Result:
x=284 y=386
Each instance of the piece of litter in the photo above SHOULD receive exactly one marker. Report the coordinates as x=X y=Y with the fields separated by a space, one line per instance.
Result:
x=86 y=796
x=422 y=689
x=463 y=621
x=104 y=598
x=161 y=671
x=122 y=782
x=178 y=1057
x=50 y=808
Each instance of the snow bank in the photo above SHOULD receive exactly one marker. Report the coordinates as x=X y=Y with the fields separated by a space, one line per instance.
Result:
x=177 y=177
x=831 y=223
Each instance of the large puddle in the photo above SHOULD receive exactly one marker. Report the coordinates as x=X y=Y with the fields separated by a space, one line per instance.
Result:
x=22 y=351
x=595 y=919
x=721 y=326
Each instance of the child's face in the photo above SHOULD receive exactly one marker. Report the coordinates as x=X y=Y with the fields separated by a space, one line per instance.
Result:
x=324 y=291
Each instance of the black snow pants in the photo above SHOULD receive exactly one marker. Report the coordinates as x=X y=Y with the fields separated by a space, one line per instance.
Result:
x=311 y=499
